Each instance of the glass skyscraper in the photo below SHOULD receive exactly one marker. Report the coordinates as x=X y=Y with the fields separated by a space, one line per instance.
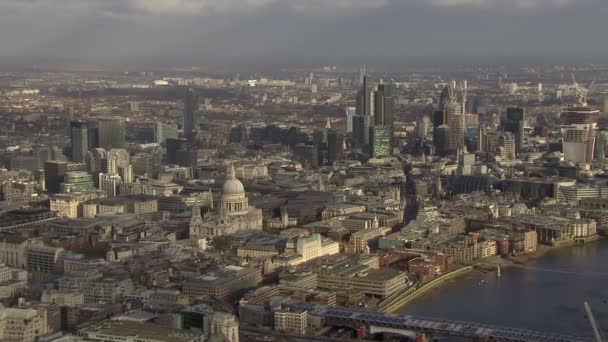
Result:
x=112 y=133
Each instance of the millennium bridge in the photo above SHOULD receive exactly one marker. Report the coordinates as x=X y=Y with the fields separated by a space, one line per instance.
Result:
x=411 y=326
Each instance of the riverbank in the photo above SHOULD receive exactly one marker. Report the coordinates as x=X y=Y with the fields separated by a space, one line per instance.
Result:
x=522 y=259
x=546 y=294
x=400 y=303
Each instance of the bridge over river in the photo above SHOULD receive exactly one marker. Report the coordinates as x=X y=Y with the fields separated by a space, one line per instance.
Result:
x=407 y=325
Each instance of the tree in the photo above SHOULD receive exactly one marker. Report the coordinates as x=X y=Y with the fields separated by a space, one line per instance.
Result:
x=221 y=244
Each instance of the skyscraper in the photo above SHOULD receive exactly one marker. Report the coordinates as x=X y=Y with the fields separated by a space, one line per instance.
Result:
x=384 y=106
x=450 y=114
x=79 y=137
x=335 y=146
x=578 y=134
x=191 y=122
x=515 y=124
x=112 y=133
x=350 y=113
x=380 y=141
x=361 y=129
x=54 y=172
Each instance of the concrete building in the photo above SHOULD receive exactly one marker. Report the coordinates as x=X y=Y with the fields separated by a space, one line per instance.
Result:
x=225 y=326
x=23 y=325
x=124 y=330
x=293 y=322
x=13 y=249
x=578 y=134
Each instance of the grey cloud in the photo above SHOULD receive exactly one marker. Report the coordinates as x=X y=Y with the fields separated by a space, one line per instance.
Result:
x=212 y=32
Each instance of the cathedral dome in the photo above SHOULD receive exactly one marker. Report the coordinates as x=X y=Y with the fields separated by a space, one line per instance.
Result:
x=233 y=186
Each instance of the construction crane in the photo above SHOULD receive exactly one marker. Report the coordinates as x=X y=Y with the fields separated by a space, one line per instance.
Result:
x=596 y=330
x=580 y=92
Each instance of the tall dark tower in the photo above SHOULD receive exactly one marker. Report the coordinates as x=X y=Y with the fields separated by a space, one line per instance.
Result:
x=54 y=171
x=191 y=121
x=514 y=123
x=384 y=106
x=335 y=146
x=79 y=138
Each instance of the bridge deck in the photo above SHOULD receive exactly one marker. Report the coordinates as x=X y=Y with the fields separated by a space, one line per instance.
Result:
x=435 y=326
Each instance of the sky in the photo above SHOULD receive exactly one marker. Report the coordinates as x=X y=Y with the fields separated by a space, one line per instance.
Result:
x=300 y=32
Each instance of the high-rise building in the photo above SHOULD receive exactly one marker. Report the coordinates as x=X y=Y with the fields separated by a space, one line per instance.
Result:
x=361 y=127
x=112 y=133
x=506 y=146
x=162 y=132
x=109 y=183
x=601 y=145
x=384 y=106
x=515 y=124
x=335 y=146
x=450 y=113
x=79 y=138
x=441 y=140
x=380 y=141
x=191 y=122
x=54 y=171
x=350 y=114
x=578 y=134
x=363 y=119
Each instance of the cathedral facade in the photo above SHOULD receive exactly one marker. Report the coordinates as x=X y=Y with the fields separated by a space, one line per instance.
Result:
x=232 y=215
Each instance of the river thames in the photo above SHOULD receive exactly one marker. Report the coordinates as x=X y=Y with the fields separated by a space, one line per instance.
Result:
x=548 y=296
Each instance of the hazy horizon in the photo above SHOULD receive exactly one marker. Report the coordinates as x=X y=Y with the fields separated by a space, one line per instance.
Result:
x=301 y=32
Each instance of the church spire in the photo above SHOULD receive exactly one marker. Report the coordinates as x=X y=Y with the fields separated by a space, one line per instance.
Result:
x=231 y=172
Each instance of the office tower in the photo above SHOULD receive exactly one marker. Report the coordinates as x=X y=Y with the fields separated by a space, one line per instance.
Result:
x=191 y=122
x=350 y=113
x=319 y=137
x=441 y=140
x=93 y=135
x=112 y=133
x=174 y=145
x=384 y=106
x=456 y=122
x=465 y=164
x=308 y=155
x=578 y=134
x=162 y=132
x=361 y=126
x=380 y=141
x=134 y=106
x=473 y=139
x=423 y=127
x=79 y=138
x=606 y=105
x=365 y=99
x=601 y=145
x=450 y=114
x=240 y=134
x=335 y=146
x=109 y=183
x=514 y=123
x=506 y=146
x=77 y=181
x=54 y=171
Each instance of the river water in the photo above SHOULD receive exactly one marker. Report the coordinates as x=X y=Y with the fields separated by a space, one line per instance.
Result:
x=548 y=296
